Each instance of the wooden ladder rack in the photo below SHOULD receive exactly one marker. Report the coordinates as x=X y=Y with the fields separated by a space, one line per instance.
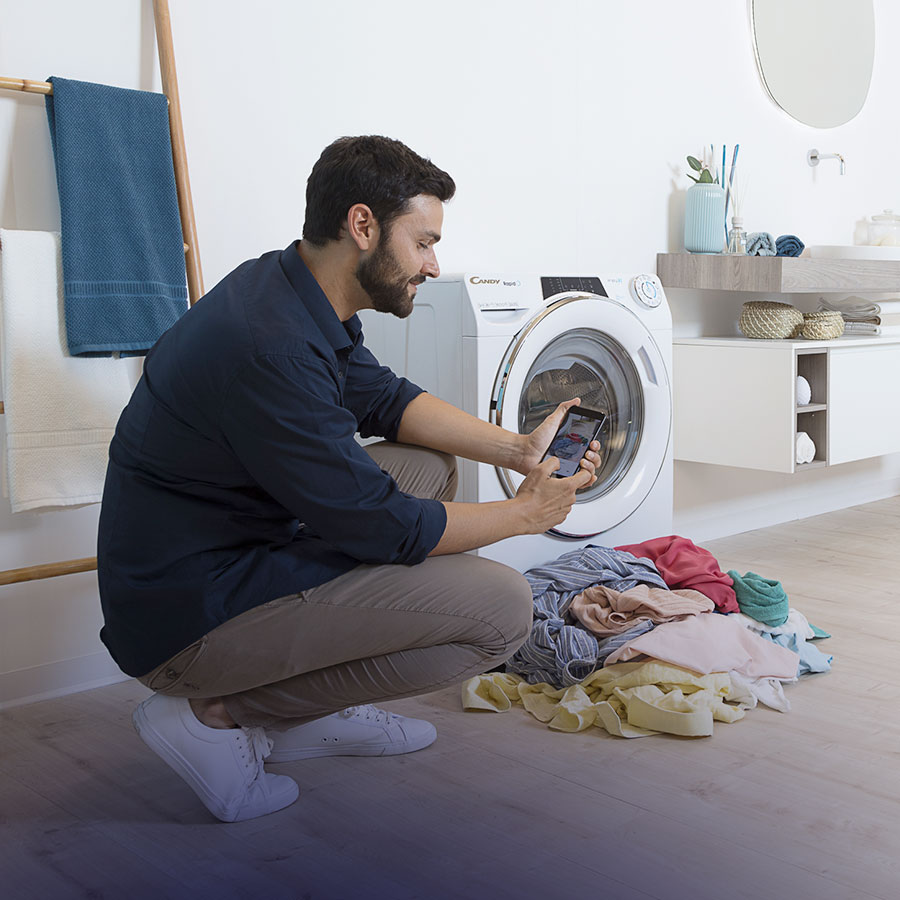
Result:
x=188 y=228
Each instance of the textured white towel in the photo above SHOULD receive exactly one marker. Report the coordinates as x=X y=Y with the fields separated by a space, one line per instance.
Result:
x=860 y=307
x=60 y=411
x=804 y=391
x=806 y=449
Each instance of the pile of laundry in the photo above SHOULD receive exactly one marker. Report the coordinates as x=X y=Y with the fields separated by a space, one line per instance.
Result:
x=650 y=638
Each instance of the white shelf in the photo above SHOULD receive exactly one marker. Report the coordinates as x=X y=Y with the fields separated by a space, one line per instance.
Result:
x=800 y=345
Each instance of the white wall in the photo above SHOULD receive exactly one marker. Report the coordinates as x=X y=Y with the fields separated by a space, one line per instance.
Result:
x=565 y=125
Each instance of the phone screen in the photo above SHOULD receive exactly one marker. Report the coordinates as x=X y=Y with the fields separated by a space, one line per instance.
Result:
x=578 y=429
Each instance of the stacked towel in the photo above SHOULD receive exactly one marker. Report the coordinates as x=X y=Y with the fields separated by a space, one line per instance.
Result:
x=788 y=245
x=60 y=412
x=123 y=251
x=862 y=316
x=761 y=598
x=760 y=243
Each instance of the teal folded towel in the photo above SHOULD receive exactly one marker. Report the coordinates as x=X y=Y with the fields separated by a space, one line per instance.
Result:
x=760 y=243
x=122 y=246
x=788 y=245
x=760 y=598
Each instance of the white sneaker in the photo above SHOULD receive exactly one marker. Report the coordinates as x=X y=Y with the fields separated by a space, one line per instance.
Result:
x=223 y=766
x=356 y=731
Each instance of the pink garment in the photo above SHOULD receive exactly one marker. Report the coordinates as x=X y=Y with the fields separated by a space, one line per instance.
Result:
x=712 y=643
x=683 y=564
x=605 y=611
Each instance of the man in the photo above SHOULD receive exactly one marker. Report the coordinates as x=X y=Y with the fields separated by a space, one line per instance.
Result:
x=259 y=570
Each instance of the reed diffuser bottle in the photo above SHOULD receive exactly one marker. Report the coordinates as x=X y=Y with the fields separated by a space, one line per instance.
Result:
x=737 y=237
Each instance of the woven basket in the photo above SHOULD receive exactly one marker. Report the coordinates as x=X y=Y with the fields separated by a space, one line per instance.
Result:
x=768 y=319
x=823 y=325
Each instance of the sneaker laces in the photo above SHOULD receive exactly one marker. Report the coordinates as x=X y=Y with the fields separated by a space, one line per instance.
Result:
x=255 y=747
x=368 y=712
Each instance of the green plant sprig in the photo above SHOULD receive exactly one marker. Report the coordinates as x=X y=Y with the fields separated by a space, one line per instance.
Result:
x=705 y=175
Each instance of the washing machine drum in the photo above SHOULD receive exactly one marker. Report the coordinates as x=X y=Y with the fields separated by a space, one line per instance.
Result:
x=593 y=348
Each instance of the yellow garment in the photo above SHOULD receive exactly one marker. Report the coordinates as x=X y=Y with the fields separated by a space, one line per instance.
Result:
x=628 y=700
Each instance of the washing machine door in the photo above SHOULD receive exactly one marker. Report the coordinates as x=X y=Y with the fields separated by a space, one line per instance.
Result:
x=594 y=348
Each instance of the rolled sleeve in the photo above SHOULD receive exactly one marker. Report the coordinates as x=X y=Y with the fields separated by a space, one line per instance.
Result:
x=285 y=422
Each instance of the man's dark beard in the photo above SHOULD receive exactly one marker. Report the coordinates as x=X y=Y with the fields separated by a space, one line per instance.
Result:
x=382 y=278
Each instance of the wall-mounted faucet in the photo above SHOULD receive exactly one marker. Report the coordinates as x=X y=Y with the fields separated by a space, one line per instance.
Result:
x=813 y=157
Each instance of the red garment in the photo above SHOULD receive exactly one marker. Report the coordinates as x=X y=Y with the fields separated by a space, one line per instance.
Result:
x=683 y=564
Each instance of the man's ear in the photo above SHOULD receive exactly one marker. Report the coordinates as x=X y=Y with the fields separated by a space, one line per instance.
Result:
x=361 y=226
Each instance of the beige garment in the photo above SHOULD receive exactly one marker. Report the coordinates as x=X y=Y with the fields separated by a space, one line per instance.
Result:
x=628 y=700
x=605 y=611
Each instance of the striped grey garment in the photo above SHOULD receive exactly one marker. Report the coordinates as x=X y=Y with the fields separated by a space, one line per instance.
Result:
x=558 y=651
x=563 y=655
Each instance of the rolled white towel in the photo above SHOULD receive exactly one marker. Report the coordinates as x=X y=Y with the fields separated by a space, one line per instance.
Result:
x=804 y=391
x=806 y=449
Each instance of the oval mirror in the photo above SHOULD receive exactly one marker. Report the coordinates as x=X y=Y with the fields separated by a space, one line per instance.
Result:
x=815 y=56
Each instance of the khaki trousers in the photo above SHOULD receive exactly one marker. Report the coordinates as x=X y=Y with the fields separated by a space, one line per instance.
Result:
x=372 y=634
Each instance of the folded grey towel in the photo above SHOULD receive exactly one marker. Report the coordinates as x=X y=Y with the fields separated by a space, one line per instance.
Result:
x=760 y=243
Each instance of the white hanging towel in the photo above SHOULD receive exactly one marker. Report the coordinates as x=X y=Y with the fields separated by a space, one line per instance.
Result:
x=61 y=411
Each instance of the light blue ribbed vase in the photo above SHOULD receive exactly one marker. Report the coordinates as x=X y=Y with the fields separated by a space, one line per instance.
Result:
x=704 y=219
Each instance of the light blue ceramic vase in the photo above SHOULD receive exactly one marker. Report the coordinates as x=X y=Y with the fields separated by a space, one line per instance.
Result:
x=704 y=219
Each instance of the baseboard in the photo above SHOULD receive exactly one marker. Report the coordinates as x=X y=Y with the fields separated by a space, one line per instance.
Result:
x=740 y=514
x=56 y=679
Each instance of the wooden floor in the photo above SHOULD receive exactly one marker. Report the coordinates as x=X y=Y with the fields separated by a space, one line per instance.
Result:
x=775 y=807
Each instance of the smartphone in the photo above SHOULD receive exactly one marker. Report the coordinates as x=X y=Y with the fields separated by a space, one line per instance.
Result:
x=579 y=428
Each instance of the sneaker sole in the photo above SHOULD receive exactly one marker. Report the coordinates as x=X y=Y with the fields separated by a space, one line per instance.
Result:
x=151 y=737
x=393 y=749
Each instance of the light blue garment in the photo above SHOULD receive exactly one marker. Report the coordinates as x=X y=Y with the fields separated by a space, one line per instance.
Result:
x=812 y=659
x=559 y=651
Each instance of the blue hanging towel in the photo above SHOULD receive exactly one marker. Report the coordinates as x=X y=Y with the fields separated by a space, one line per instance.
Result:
x=122 y=247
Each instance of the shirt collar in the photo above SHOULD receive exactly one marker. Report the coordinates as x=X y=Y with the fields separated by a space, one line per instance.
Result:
x=339 y=334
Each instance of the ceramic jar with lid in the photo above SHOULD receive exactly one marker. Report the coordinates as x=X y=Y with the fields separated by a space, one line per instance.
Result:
x=884 y=230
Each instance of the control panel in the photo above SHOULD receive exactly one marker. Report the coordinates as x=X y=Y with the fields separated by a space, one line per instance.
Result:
x=645 y=291
x=560 y=284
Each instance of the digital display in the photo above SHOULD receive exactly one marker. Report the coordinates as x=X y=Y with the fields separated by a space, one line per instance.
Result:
x=560 y=284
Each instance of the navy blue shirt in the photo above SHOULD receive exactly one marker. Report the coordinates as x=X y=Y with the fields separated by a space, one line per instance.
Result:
x=234 y=477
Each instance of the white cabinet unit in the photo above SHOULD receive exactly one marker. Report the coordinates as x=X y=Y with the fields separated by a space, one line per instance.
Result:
x=736 y=404
x=863 y=416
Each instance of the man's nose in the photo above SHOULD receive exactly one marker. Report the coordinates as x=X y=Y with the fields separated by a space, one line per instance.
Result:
x=430 y=267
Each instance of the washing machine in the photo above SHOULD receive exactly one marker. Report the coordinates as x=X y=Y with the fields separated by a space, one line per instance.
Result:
x=510 y=348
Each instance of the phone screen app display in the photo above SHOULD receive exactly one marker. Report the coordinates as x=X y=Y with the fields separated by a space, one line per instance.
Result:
x=571 y=443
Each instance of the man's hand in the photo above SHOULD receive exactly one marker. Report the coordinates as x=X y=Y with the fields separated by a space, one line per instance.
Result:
x=545 y=500
x=535 y=444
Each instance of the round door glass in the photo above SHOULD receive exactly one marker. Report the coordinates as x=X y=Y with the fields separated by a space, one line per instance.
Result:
x=593 y=366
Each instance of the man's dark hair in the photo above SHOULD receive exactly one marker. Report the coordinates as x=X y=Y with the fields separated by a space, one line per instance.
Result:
x=378 y=171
